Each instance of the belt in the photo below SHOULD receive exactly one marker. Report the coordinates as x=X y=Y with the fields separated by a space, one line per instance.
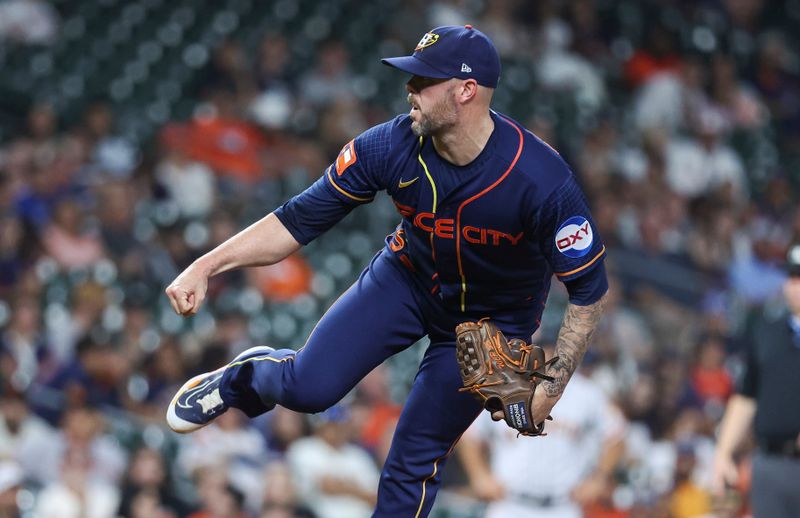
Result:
x=539 y=500
x=788 y=448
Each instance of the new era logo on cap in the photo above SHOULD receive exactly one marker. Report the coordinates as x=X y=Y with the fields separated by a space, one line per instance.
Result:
x=452 y=51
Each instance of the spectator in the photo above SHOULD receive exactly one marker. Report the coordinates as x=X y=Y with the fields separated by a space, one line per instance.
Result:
x=75 y=494
x=777 y=83
x=272 y=108
x=580 y=473
x=95 y=377
x=88 y=300
x=10 y=481
x=229 y=145
x=230 y=71
x=283 y=281
x=84 y=444
x=235 y=449
x=279 y=493
x=218 y=499
x=161 y=373
x=190 y=184
x=12 y=260
x=330 y=79
x=146 y=488
x=24 y=439
x=116 y=219
x=67 y=240
x=334 y=478
x=28 y=21
x=376 y=413
x=284 y=428
x=24 y=354
x=657 y=56
x=688 y=499
x=710 y=379
x=561 y=69
x=112 y=157
x=36 y=200
x=696 y=167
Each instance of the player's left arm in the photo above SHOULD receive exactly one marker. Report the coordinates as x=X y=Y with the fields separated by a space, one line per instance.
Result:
x=574 y=337
x=572 y=246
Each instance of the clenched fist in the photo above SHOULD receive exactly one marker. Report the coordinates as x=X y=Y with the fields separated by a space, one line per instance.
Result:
x=188 y=290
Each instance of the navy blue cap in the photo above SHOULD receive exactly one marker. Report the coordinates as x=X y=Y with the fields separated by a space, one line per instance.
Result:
x=453 y=51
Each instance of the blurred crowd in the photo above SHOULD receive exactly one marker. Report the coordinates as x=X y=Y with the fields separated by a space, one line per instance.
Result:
x=681 y=119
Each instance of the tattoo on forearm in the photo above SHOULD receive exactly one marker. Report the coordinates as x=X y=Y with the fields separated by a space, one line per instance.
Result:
x=573 y=340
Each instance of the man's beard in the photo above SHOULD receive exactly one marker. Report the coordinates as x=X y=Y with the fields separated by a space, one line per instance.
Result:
x=442 y=117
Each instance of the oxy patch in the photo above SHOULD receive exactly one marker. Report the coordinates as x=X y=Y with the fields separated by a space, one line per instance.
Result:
x=574 y=237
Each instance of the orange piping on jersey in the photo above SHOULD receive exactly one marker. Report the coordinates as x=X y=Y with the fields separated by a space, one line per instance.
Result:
x=435 y=470
x=473 y=198
x=404 y=210
x=407 y=262
x=351 y=196
x=576 y=270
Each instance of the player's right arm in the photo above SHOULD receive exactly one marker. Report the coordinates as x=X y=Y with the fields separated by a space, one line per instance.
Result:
x=265 y=242
x=353 y=179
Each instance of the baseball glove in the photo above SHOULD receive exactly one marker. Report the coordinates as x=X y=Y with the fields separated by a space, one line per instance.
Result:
x=502 y=374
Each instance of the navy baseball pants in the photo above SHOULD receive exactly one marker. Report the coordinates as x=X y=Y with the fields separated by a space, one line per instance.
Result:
x=383 y=313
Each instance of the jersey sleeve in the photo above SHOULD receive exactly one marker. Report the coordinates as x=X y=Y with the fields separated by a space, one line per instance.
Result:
x=357 y=174
x=588 y=288
x=568 y=236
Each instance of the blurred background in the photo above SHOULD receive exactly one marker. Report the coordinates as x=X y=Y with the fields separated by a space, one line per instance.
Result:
x=135 y=135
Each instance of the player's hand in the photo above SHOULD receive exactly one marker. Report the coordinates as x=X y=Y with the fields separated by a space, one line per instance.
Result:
x=542 y=406
x=188 y=291
x=487 y=488
x=725 y=474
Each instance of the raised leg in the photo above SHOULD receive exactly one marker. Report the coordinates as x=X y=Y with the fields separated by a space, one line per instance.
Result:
x=375 y=318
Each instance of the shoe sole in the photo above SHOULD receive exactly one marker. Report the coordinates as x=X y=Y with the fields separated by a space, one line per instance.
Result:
x=179 y=425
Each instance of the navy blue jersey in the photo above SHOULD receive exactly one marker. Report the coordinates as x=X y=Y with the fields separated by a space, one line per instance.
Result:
x=483 y=237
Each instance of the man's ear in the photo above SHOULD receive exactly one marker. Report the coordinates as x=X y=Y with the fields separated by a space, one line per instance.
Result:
x=467 y=91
